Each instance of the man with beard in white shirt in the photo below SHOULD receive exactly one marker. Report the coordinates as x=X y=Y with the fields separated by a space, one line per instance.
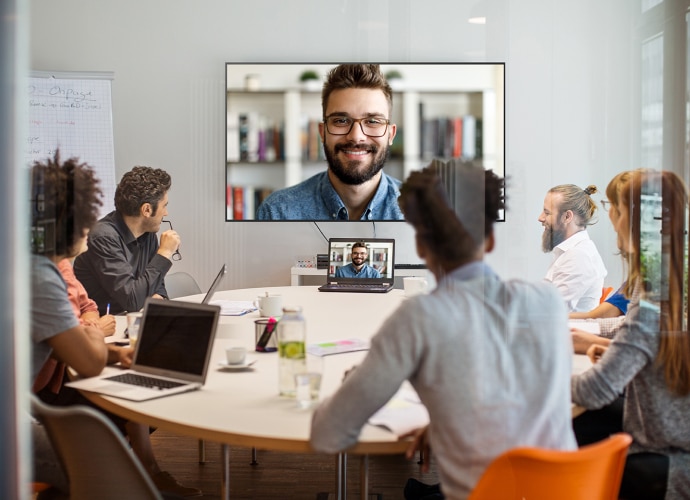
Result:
x=577 y=269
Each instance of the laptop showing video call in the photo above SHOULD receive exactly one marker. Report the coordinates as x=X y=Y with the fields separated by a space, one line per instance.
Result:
x=171 y=357
x=360 y=265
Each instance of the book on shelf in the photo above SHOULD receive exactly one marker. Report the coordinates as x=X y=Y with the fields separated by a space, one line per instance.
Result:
x=243 y=201
x=233 y=137
x=238 y=203
x=255 y=138
x=469 y=144
x=479 y=140
x=457 y=137
x=310 y=140
x=450 y=137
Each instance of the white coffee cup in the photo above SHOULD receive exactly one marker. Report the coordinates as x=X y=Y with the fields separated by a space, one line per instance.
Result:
x=414 y=285
x=235 y=355
x=269 y=305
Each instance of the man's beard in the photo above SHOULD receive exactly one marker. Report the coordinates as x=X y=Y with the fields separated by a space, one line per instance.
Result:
x=349 y=173
x=551 y=238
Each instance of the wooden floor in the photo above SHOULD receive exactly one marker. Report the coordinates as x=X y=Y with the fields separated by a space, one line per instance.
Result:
x=280 y=475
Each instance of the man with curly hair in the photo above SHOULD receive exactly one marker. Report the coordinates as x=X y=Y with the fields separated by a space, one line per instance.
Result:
x=125 y=262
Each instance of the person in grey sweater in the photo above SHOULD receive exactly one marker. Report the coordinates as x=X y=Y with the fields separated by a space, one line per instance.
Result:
x=649 y=358
x=490 y=359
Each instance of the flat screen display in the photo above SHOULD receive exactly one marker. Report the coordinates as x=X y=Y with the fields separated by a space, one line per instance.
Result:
x=278 y=168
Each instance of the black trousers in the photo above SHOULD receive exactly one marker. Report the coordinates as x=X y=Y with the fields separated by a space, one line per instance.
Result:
x=645 y=474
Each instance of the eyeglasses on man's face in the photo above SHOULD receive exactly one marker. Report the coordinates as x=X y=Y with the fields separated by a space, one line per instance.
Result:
x=372 y=126
x=176 y=255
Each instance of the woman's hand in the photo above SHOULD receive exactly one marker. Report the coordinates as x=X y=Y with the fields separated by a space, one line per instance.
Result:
x=107 y=324
x=595 y=352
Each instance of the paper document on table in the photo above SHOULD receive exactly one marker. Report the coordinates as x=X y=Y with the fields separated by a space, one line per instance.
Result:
x=337 y=347
x=588 y=325
x=403 y=413
x=234 y=307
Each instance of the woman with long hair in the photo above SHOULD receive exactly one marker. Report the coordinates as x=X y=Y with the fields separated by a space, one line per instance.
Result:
x=648 y=361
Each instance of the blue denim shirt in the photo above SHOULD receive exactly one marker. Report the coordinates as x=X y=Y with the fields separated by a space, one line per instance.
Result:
x=315 y=199
x=349 y=271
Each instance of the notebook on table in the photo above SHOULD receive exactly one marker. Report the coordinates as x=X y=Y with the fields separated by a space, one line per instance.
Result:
x=376 y=275
x=172 y=353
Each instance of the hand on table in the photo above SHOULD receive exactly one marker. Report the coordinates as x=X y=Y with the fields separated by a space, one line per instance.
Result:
x=122 y=355
x=420 y=442
x=595 y=352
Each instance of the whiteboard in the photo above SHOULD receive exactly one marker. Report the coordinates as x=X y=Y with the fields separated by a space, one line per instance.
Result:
x=73 y=111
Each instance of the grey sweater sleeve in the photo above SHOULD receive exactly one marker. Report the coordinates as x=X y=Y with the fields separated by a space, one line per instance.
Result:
x=632 y=350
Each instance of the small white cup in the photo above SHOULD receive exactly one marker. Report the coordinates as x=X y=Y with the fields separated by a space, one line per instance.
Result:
x=269 y=305
x=414 y=285
x=133 y=324
x=235 y=355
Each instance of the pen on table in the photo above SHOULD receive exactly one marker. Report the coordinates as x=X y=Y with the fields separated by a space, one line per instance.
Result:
x=107 y=309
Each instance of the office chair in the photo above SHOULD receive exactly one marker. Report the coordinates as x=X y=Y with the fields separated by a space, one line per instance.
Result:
x=592 y=472
x=181 y=284
x=94 y=455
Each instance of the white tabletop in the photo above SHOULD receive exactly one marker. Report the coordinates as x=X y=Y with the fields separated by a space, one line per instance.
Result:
x=243 y=407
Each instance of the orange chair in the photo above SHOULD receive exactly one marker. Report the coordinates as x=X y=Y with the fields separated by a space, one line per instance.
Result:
x=592 y=472
x=605 y=292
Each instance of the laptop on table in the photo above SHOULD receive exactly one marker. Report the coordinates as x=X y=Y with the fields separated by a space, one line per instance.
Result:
x=341 y=277
x=212 y=289
x=171 y=357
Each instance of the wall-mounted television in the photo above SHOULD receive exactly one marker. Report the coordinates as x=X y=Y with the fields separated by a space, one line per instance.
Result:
x=276 y=126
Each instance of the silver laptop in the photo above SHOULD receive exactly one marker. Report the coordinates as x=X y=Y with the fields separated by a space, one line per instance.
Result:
x=362 y=269
x=212 y=289
x=172 y=353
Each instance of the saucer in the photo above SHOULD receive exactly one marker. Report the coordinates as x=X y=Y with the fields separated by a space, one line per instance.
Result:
x=248 y=362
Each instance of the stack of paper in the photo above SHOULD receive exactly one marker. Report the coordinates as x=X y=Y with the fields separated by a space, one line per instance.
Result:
x=234 y=307
x=402 y=414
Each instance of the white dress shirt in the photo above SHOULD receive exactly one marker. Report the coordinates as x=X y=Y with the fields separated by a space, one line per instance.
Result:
x=578 y=272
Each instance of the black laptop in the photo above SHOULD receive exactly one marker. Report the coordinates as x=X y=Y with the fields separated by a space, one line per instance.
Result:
x=362 y=265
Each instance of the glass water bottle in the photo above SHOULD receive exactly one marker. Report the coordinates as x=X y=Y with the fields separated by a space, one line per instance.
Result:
x=291 y=349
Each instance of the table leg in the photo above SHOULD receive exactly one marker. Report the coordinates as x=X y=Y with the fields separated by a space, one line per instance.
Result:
x=364 y=477
x=341 y=476
x=225 y=472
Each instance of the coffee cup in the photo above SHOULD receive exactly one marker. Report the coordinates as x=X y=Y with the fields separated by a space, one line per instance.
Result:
x=414 y=285
x=235 y=355
x=269 y=305
x=133 y=324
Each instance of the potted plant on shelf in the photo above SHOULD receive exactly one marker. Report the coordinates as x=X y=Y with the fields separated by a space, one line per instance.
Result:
x=395 y=79
x=310 y=80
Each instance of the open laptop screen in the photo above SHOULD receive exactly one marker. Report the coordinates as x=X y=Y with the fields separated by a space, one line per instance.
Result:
x=175 y=338
x=365 y=259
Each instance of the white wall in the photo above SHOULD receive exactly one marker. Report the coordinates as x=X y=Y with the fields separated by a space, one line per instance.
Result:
x=569 y=88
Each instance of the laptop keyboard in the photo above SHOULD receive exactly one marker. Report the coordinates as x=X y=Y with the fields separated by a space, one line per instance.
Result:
x=352 y=286
x=144 y=381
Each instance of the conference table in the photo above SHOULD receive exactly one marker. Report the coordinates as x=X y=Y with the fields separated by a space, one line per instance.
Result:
x=243 y=407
